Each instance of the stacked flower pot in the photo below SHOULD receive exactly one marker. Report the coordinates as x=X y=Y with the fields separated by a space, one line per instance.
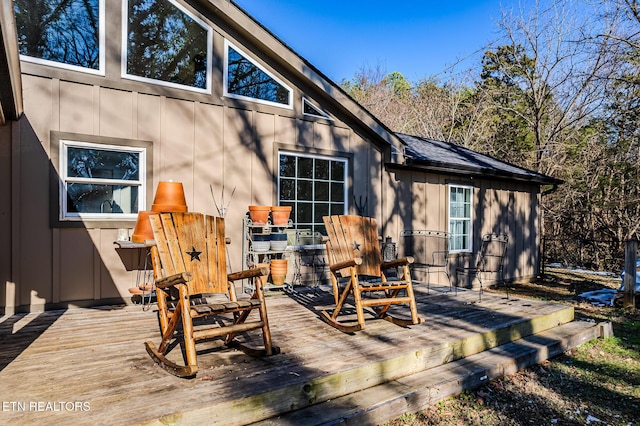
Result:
x=169 y=198
x=279 y=216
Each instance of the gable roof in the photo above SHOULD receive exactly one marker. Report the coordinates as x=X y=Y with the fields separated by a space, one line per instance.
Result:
x=420 y=153
x=262 y=39
x=438 y=156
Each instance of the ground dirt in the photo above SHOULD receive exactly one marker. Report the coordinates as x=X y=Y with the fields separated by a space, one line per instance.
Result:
x=597 y=383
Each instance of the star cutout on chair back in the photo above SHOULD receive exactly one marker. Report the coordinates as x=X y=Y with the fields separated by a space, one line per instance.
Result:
x=356 y=246
x=195 y=255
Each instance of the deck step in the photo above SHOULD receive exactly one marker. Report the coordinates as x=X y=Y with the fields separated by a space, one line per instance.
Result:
x=384 y=402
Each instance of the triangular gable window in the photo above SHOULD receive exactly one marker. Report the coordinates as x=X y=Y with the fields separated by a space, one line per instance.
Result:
x=165 y=44
x=247 y=80
x=310 y=109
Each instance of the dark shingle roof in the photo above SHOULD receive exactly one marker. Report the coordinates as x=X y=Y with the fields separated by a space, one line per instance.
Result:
x=439 y=156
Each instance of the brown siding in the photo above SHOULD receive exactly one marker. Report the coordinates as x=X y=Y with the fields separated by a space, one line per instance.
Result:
x=421 y=204
x=6 y=284
x=206 y=142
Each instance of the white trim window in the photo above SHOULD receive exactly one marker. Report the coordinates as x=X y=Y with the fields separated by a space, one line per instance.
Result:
x=165 y=44
x=309 y=109
x=67 y=34
x=101 y=182
x=460 y=218
x=247 y=80
x=314 y=186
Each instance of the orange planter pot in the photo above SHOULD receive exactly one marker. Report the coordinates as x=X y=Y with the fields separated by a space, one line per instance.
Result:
x=169 y=198
x=263 y=278
x=280 y=215
x=278 y=271
x=259 y=214
x=143 y=231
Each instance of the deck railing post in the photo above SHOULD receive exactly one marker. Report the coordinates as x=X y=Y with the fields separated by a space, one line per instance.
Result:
x=630 y=255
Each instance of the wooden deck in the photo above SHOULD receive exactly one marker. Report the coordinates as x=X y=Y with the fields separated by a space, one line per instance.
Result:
x=89 y=366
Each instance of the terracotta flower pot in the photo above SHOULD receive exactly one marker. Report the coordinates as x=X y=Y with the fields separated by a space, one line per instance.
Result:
x=263 y=278
x=259 y=214
x=280 y=215
x=169 y=198
x=143 y=231
x=278 y=271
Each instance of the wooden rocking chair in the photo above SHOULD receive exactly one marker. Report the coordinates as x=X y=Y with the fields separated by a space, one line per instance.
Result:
x=190 y=270
x=355 y=260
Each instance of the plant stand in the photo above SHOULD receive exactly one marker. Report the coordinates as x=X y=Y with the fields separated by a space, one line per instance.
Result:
x=254 y=253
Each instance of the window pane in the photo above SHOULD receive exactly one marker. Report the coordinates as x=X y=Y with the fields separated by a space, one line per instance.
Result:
x=322 y=191
x=305 y=212
x=322 y=169
x=305 y=190
x=287 y=189
x=102 y=164
x=65 y=31
x=337 y=170
x=287 y=166
x=337 y=192
x=247 y=79
x=166 y=44
x=305 y=167
x=337 y=209
x=322 y=209
x=90 y=198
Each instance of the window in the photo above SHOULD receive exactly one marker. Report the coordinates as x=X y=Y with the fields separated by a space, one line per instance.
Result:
x=310 y=109
x=315 y=186
x=99 y=181
x=245 y=79
x=62 y=33
x=460 y=217
x=166 y=44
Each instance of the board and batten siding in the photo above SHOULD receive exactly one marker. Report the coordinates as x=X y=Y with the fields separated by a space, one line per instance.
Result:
x=420 y=202
x=201 y=145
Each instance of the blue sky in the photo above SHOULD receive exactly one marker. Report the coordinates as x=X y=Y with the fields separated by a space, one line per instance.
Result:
x=418 y=38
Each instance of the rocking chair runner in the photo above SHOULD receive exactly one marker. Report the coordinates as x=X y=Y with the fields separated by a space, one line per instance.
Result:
x=189 y=265
x=353 y=251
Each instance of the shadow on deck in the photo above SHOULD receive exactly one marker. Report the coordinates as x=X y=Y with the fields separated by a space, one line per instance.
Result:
x=89 y=366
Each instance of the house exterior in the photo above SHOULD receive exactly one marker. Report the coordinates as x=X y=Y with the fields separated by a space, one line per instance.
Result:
x=104 y=99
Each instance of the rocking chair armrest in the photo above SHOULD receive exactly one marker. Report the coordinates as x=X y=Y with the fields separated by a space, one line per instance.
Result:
x=346 y=264
x=397 y=262
x=175 y=279
x=248 y=273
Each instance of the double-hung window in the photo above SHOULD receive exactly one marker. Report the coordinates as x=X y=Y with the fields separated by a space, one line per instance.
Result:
x=101 y=181
x=460 y=218
x=314 y=185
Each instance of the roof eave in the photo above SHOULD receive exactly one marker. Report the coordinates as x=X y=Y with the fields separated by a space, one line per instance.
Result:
x=474 y=172
x=265 y=40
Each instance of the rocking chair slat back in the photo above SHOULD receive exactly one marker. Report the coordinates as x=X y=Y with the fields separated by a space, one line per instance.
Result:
x=353 y=237
x=182 y=249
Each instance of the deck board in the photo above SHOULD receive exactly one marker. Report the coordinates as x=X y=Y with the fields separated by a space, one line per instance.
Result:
x=97 y=356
